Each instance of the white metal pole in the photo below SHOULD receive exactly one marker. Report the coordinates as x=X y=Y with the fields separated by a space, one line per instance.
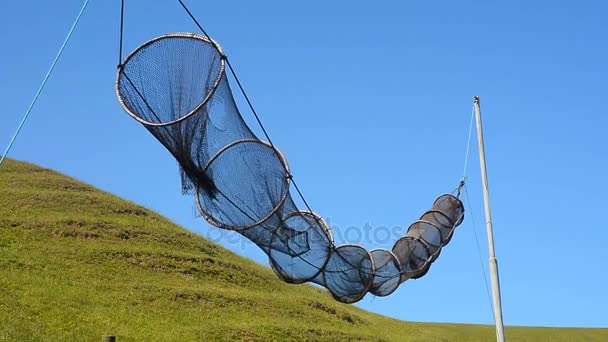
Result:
x=500 y=331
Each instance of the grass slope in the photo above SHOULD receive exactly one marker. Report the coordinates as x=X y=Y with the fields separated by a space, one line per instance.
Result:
x=77 y=263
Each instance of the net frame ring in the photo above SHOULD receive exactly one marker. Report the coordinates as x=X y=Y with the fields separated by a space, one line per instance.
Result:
x=365 y=288
x=285 y=192
x=433 y=255
x=180 y=35
x=376 y=290
x=330 y=240
x=450 y=197
x=449 y=229
x=426 y=264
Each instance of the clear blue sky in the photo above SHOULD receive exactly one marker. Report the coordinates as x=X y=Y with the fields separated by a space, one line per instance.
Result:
x=371 y=104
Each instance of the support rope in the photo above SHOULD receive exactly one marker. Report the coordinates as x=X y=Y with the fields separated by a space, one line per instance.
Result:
x=200 y=27
x=122 y=25
x=44 y=81
x=466 y=156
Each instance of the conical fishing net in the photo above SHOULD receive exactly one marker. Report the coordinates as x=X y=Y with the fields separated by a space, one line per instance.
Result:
x=176 y=86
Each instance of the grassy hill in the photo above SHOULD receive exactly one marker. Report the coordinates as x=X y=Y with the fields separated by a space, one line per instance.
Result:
x=77 y=263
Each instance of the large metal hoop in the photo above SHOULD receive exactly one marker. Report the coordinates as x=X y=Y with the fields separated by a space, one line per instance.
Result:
x=211 y=220
x=396 y=260
x=324 y=227
x=207 y=97
x=366 y=287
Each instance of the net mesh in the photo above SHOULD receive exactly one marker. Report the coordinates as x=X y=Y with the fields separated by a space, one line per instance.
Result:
x=176 y=86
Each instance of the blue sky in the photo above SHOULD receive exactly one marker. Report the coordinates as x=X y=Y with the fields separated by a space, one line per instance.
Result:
x=371 y=105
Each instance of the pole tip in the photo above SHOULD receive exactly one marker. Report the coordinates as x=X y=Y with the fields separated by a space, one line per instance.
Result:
x=476 y=99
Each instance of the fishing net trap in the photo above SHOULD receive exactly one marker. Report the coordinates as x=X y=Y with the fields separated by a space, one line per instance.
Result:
x=176 y=86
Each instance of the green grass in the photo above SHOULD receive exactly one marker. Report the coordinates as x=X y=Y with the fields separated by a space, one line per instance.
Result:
x=77 y=263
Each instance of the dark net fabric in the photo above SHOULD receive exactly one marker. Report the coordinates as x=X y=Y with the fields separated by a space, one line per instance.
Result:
x=300 y=247
x=349 y=273
x=233 y=205
x=441 y=221
x=413 y=256
x=387 y=272
x=428 y=234
x=176 y=86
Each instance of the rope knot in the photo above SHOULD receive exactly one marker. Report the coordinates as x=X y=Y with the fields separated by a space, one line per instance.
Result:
x=460 y=186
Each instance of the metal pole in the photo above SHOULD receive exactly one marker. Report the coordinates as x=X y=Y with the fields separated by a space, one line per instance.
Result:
x=500 y=330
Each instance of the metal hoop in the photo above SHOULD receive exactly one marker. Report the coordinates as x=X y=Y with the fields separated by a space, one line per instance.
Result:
x=207 y=97
x=323 y=225
x=211 y=220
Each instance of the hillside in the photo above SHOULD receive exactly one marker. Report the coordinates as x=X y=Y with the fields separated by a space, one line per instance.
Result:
x=77 y=263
